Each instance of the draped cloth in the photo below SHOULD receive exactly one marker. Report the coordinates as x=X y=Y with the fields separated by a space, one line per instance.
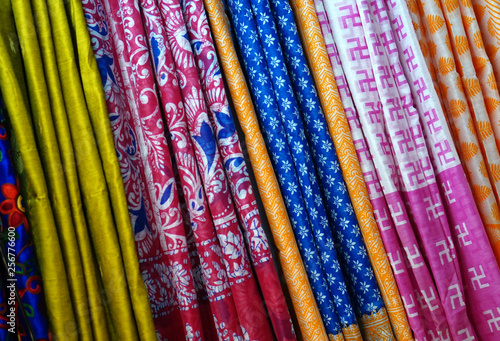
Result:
x=338 y=127
x=467 y=232
x=31 y=315
x=469 y=115
x=362 y=286
x=286 y=156
x=69 y=174
x=235 y=166
x=306 y=310
x=219 y=267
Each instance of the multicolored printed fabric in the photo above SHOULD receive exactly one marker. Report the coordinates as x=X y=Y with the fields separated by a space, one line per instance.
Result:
x=339 y=130
x=355 y=264
x=476 y=259
x=234 y=298
x=306 y=309
x=382 y=211
x=31 y=319
x=488 y=18
x=284 y=164
x=235 y=166
x=146 y=168
x=467 y=115
x=251 y=313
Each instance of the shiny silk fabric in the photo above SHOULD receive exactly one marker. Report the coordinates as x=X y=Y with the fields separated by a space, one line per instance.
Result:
x=27 y=277
x=77 y=216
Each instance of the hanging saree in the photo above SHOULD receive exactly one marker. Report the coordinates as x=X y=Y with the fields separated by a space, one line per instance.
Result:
x=460 y=113
x=235 y=166
x=339 y=130
x=64 y=206
x=31 y=316
x=162 y=255
x=473 y=252
x=386 y=215
x=306 y=310
x=267 y=108
x=354 y=260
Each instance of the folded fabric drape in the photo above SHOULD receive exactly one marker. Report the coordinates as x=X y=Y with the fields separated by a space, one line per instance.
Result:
x=285 y=155
x=146 y=166
x=474 y=254
x=362 y=285
x=25 y=278
x=64 y=206
x=310 y=31
x=488 y=18
x=306 y=310
x=235 y=166
x=461 y=115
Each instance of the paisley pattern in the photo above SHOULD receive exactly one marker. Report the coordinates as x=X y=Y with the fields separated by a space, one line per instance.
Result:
x=31 y=317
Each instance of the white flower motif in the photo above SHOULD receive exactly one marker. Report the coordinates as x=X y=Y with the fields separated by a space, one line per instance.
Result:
x=303 y=232
x=310 y=103
x=309 y=254
x=357 y=265
x=365 y=287
x=269 y=40
x=343 y=222
x=262 y=79
x=286 y=104
x=314 y=276
x=342 y=187
x=330 y=180
x=337 y=201
x=264 y=18
x=308 y=191
x=314 y=140
x=335 y=166
x=274 y=122
x=313 y=213
x=279 y=81
x=327 y=147
x=322 y=159
x=286 y=166
x=351 y=244
x=295 y=62
x=303 y=169
x=282 y=20
x=342 y=287
x=297 y=147
x=292 y=188
x=298 y=209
